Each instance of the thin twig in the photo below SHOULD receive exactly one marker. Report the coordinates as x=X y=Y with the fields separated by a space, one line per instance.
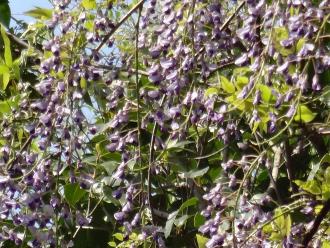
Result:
x=289 y=165
x=151 y=161
x=137 y=91
x=20 y=42
x=107 y=37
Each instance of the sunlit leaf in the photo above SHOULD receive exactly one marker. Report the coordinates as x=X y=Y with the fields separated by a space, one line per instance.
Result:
x=40 y=13
x=304 y=114
x=309 y=186
x=211 y=91
x=7 y=55
x=227 y=85
x=201 y=241
x=5 y=80
x=88 y=4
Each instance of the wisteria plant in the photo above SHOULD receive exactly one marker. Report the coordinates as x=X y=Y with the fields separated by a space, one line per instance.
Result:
x=166 y=123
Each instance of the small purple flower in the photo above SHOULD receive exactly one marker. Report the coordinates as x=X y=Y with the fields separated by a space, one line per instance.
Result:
x=257 y=98
x=316 y=82
x=243 y=93
x=155 y=52
x=291 y=111
x=283 y=68
x=136 y=220
x=46 y=119
x=154 y=94
x=119 y=216
x=167 y=63
x=242 y=60
x=44 y=87
x=117 y=194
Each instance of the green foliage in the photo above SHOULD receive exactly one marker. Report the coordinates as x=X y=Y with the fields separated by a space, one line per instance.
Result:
x=73 y=193
x=40 y=13
x=5 y=13
x=280 y=227
x=304 y=114
x=88 y=4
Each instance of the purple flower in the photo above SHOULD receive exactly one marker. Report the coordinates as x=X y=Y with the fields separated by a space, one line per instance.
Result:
x=119 y=216
x=175 y=112
x=136 y=220
x=257 y=98
x=283 y=68
x=44 y=87
x=46 y=119
x=242 y=60
x=316 y=82
x=291 y=111
x=154 y=94
x=166 y=63
x=155 y=52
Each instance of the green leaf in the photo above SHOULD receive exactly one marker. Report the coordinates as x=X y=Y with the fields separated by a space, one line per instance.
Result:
x=304 y=114
x=16 y=69
x=201 y=241
x=73 y=193
x=4 y=107
x=266 y=92
x=40 y=13
x=198 y=220
x=89 y=4
x=280 y=34
x=20 y=133
x=326 y=185
x=301 y=42
x=172 y=216
x=169 y=223
x=280 y=227
x=241 y=81
x=112 y=244
x=195 y=173
x=5 y=80
x=6 y=41
x=178 y=145
x=211 y=91
x=83 y=83
x=312 y=186
x=316 y=165
x=5 y=13
x=326 y=244
x=119 y=236
x=325 y=191
x=181 y=221
x=190 y=202
x=110 y=166
x=227 y=85
x=327 y=176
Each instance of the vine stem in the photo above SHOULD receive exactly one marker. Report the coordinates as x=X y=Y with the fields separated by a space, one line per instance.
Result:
x=252 y=167
x=317 y=222
x=290 y=207
x=137 y=91
x=151 y=161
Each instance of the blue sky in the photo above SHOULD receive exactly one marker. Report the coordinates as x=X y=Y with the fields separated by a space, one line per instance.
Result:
x=18 y=7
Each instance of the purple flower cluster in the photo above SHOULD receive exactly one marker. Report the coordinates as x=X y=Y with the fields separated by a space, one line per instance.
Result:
x=208 y=73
